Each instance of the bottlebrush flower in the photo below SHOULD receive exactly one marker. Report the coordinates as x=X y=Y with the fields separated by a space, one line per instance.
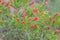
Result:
x=50 y=18
x=56 y=14
x=54 y=20
x=0 y=0
x=35 y=18
x=24 y=14
x=18 y=19
x=23 y=22
x=32 y=2
x=48 y=28
x=35 y=10
x=57 y=31
x=2 y=3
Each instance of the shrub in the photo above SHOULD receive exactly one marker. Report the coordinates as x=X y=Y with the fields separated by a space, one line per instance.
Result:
x=32 y=22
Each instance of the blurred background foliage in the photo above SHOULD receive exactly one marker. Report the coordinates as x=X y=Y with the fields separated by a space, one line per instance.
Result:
x=52 y=5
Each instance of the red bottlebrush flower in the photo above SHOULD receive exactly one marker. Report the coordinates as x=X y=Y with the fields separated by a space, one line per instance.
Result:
x=35 y=10
x=18 y=19
x=32 y=2
x=54 y=20
x=23 y=22
x=24 y=14
x=56 y=14
x=50 y=18
x=0 y=0
x=2 y=3
x=57 y=31
x=35 y=18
